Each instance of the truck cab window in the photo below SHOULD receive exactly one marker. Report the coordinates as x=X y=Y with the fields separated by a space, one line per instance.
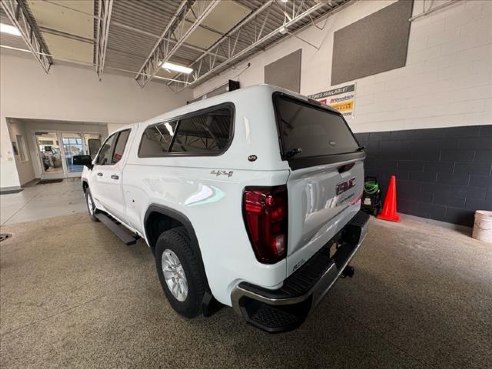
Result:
x=104 y=157
x=119 y=148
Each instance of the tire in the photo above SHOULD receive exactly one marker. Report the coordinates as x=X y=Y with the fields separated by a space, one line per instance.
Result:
x=91 y=205
x=177 y=242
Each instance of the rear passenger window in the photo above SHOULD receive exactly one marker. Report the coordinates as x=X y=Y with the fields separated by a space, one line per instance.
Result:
x=203 y=133
x=119 y=149
x=156 y=139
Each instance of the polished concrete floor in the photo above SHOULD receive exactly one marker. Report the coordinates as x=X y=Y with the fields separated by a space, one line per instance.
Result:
x=73 y=296
x=37 y=202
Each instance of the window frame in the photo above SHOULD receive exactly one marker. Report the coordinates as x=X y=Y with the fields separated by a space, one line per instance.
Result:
x=227 y=105
x=124 y=146
x=117 y=134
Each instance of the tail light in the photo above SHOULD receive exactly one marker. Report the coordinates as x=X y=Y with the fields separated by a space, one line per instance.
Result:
x=265 y=216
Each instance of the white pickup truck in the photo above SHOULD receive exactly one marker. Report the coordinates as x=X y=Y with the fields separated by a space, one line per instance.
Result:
x=251 y=198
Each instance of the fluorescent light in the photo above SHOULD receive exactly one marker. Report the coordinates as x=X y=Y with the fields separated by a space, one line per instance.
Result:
x=177 y=68
x=5 y=28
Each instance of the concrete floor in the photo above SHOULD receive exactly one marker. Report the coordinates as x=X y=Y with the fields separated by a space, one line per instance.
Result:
x=73 y=296
x=41 y=201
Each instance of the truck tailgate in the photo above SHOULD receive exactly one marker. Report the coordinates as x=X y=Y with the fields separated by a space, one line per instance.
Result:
x=322 y=200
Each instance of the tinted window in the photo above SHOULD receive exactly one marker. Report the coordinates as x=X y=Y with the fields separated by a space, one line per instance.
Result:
x=204 y=133
x=104 y=157
x=311 y=130
x=209 y=132
x=156 y=139
x=119 y=149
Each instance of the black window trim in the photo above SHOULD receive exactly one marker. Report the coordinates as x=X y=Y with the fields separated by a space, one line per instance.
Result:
x=228 y=105
x=129 y=130
x=117 y=135
x=299 y=163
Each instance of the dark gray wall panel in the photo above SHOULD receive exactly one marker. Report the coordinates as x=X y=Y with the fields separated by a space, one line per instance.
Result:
x=285 y=72
x=374 y=44
x=442 y=173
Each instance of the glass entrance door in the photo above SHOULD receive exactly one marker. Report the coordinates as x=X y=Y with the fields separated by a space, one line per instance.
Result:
x=79 y=144
x=50 y=154
x=57 y=160
x=73 y=144
x=92 y=143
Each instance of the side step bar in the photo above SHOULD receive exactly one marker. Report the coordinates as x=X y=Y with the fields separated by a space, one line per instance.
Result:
x=117 y=229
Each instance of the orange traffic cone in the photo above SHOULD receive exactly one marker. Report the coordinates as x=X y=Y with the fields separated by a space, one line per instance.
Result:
x=389 y=208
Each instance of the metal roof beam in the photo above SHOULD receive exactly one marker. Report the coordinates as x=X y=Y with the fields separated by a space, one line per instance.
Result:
x=213 y=50
x=19 y=15
x=204 y=70
x=136 y=30
x=105 y=8
x=177 y=30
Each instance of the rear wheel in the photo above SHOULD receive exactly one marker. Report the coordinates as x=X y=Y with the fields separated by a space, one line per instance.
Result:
x=180 y=272
x=91 y=205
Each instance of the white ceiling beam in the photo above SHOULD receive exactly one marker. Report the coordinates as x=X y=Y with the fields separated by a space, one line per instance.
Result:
x=177 y=31
x=195 y=79
x=105 y=8
x=18 y=14
x=213 y=49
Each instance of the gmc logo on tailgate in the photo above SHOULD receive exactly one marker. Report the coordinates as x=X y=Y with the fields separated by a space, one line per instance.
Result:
x=345 y=186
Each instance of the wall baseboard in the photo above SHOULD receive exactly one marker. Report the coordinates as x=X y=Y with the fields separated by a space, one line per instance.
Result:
x=9 y=190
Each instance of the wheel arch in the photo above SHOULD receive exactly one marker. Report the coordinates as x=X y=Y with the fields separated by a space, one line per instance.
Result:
x=174 y=218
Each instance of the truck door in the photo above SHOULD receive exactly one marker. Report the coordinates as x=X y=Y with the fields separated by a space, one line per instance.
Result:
x=107 y=174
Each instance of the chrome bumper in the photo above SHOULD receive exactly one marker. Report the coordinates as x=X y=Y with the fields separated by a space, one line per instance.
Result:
x=352 y=236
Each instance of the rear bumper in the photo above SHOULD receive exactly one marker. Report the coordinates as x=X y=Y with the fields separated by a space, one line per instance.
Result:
x=287 y=307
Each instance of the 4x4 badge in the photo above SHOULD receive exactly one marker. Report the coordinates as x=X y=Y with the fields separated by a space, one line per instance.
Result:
x=222 y=173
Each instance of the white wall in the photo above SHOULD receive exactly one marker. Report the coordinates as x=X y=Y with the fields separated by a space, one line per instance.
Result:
x=71 y=94
x=24 y=168
x=447 y=80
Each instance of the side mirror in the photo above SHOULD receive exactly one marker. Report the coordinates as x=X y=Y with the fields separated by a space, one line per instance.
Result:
x=82 y=160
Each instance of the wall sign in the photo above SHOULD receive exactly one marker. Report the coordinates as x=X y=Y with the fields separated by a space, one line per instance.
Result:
x=340 y=98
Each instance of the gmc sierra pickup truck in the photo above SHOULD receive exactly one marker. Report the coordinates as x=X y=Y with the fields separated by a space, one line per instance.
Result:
x=251 y=198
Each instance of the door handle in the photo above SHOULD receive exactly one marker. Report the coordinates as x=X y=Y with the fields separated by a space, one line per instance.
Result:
x=99 y=174
x=114 y=176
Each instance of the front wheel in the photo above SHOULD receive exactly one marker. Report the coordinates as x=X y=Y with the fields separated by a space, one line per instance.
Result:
x=91 y=205
x=180 y=272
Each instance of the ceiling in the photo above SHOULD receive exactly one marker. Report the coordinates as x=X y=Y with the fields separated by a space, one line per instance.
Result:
x=209 y=35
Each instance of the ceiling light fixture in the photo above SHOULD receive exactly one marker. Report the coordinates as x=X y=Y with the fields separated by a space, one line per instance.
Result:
x=11 y=30
x=177 y=68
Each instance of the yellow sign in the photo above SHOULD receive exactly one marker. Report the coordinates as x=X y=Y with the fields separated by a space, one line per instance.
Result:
x=343 y=106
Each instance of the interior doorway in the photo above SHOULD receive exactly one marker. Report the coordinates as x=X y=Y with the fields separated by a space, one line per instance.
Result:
x=57 y=149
